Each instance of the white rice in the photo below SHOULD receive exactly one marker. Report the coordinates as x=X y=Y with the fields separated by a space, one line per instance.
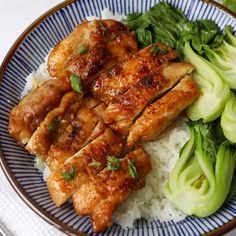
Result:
x=107 y=14
x=148 y=202
x=36 y=78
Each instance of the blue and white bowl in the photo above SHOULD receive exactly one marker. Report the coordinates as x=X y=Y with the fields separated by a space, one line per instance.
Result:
x=26 y=55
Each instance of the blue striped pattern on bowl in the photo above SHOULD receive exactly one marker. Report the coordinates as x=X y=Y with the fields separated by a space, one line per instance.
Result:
x=27 y=58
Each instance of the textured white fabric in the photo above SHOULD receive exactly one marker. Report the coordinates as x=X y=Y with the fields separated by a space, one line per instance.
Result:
x=18 y=218
x=15 y=215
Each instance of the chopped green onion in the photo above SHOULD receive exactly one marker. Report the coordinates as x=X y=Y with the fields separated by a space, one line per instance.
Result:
x=69 y=175
x=113 y=163
x=76 y=83
x=132 y=169
x=83 y=49
x=159 y=50
x=94 y=164
x=38 y=160
x=103 y=28
x=53 y=125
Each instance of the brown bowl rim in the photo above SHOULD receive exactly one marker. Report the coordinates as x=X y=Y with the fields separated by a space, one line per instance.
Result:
x=6 y=169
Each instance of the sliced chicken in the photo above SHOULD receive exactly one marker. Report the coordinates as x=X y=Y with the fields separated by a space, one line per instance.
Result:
x=122 y=111
x=86 y=126
x=91 y=48
x=161 y=113
x=121 y=77
x=104 y=192
x=78 y=122
x=28 y=114
x=76 y=170
x=52 y=126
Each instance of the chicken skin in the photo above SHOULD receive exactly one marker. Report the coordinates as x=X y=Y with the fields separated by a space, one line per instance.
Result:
x=86 y=126
x=92 y=47
x=75 y=171
x=104 y=192
x=161 y=113
x=32 y=109
x=123 y=110
x=78 y=122
x=41 y=140
x=121 y=77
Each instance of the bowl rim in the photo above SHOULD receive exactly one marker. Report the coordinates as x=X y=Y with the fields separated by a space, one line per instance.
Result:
x=7 y=170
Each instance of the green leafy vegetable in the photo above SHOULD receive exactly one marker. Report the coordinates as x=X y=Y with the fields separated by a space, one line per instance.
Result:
x=95 y=164
x=232 y=189
x=162 y=23
x=132 y=169
x=200 y=181
x=166 y=24
x=157 y=49
x=113 y=163
x=53 y=125
x=228 y=119
x=228 y=35
x=76 y=83
x=70 y=174
x=144 y=36
x=231 y=4
x=202 y=34
x=214 y=91
x=83 y=49
x=223 y=59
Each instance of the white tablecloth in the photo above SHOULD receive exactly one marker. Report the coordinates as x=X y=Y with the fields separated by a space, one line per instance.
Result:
x=19 y=220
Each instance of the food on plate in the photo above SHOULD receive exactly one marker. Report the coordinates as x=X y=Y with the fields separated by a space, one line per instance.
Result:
x=52 y=126
x=121 y=77
x=28 y=114
x=161 y=113
x=228 y=121
x=122 y=111
x=104 y=192
x=86 y=125
x=92 y=47
x=114 y=91
x=200 y=181
x=210 y=105
x=74 y=172
x=223 y=58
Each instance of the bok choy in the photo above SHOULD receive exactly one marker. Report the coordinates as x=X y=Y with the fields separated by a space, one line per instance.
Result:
x=200 y=181
x=214 y=91
x=228 y=119
x=223 y=58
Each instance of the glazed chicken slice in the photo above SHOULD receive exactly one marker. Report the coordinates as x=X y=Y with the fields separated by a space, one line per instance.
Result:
x=53 y=126
x=104 y=192
x=121 y=77
x=91 y=48
x=32 y=109
x=123 y=110
x=161 y=113
x=86 y=126
x=78 y=122
x=75 y=171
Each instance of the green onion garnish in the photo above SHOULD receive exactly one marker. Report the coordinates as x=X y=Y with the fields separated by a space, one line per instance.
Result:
x=53 y=125
x=113 y=163
x=94 y=164
x=157 y=49
x=103 y=28
x=83 y=49
x=69 y=175
x=76 y=83
x=132 y=169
